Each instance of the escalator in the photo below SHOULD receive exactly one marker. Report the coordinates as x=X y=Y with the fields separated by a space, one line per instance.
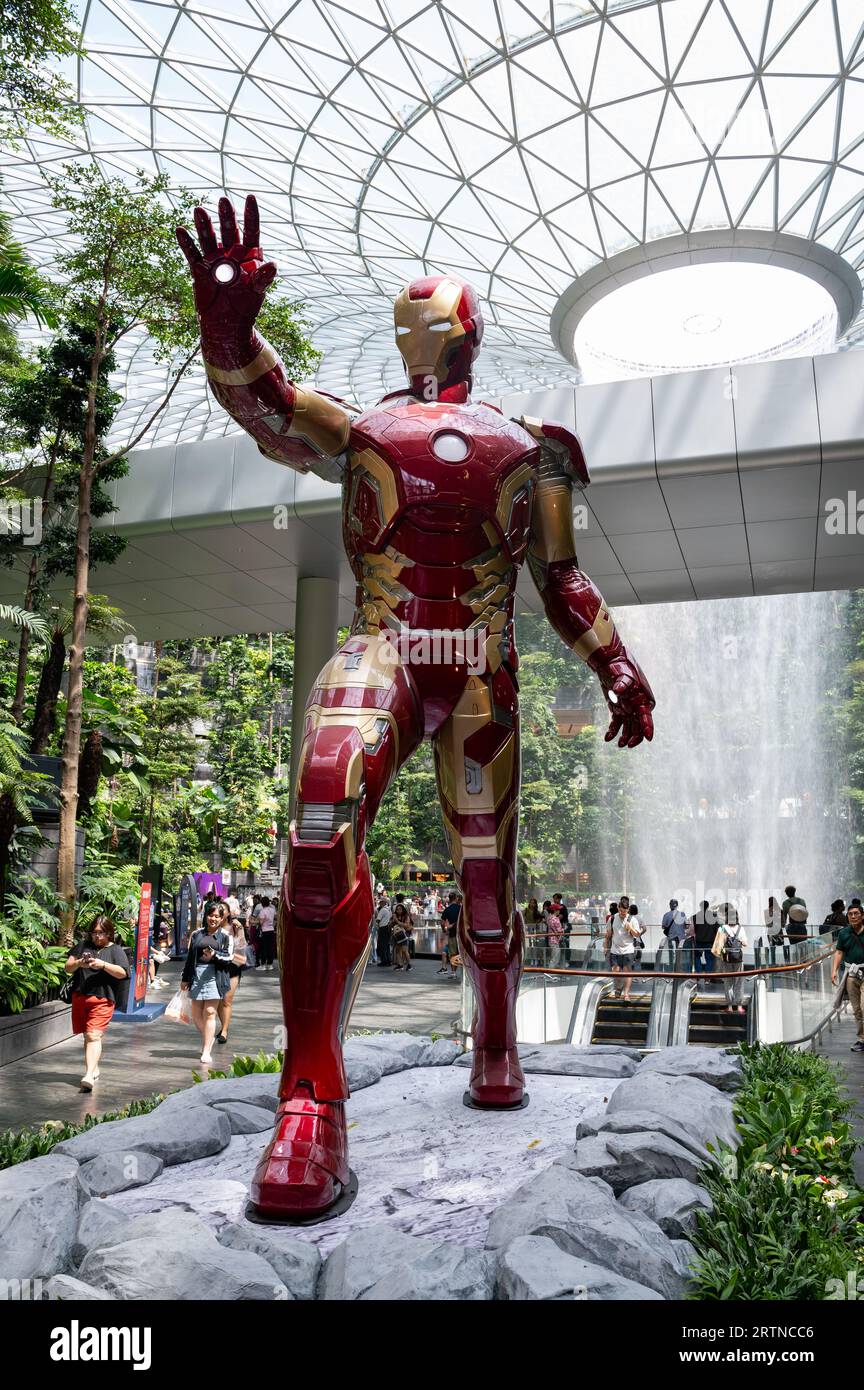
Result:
x=710 y=1025
x=618 y=1022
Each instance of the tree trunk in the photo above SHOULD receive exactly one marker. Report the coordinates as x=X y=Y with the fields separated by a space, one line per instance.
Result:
x=89 y=772
x=50 y=680
x=66 y=890
x=24 y=647
x=24 y=643
x=149 y=854
x=8 y=822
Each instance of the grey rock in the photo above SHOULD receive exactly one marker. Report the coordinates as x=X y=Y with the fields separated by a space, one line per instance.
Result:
x=366 y=1257
x=394 y=1051
x=671 y=1202
x=297 y=1263
x=593 y=1049
x=710 y=1064
x=181 y=1266
x=176 y=1135
x=447 y=1273
x=245 y=1118
x=581 y=1216
x=548 y=1201
x=260 y=1088
x=592 y=1159
x=699 y=1108
x=363 y=1068
x=560 y=1059
x=39 y=1205
x=651 y=1122
x=534 y=1268
x=102 y=1225
x=590 y=1122
x=651 y=1156
x=63 y=1288
x=120 y=1171
x=687 y=1256
x=441 y=1053
x=169 y=1222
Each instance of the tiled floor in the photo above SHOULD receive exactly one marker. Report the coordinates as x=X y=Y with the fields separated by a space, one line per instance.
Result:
x=142 y=1058
x=836 y=1045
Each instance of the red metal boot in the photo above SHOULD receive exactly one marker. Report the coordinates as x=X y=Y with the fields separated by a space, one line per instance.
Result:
x=497 y=1080
x=303 y=1172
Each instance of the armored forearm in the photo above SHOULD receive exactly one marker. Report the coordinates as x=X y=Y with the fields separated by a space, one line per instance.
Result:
x=576 y=609
x=290 y=424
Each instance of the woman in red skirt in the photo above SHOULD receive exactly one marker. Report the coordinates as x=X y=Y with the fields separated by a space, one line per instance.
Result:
x=98 y=965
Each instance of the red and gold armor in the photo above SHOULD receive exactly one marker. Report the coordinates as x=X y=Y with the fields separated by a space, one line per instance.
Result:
x=443 y=501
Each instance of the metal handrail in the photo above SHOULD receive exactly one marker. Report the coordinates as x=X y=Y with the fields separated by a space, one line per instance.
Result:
x=684 y=987
x=678 y=974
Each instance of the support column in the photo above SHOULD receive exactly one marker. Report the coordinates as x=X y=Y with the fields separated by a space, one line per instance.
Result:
x=315 y=627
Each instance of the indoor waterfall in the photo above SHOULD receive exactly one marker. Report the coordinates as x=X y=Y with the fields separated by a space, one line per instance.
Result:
x=741 y=792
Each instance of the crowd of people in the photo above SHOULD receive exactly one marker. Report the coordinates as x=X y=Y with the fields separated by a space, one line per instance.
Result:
x=396 y=920
x=711 y=940
x=235 y=937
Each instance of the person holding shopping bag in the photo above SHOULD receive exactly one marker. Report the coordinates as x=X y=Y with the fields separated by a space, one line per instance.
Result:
x=100 y=973
x=206 y=976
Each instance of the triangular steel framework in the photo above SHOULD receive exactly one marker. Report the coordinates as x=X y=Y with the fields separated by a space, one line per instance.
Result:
x=519 y=144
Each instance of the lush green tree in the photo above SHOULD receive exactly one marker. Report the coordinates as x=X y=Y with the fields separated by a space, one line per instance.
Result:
x=45 y=411
x=240 y=687
x=20 y=787
x=170 y=744
x=123 y=274
x=391 y=840
x=33 y=35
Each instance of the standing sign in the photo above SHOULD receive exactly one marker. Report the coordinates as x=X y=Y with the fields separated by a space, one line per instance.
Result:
x=185 y=915
x=137 y=1009
x=142 y=946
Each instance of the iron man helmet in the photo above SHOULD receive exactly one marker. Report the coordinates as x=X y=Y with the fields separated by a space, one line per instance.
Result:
x=439 y=328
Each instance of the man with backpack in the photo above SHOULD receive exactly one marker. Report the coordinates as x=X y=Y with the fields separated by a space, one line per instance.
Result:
x=850 y=952
x=793 y=915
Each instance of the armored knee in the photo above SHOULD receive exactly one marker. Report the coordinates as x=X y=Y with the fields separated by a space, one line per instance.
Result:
x=327 y=829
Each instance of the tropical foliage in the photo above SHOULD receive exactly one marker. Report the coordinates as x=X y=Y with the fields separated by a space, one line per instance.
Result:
x=788 y=1219
x=19 y=1145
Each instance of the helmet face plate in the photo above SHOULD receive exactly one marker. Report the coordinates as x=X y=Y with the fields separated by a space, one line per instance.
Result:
x=438 y=330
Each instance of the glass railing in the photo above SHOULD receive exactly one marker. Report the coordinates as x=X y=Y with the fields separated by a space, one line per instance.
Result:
x=788 y=995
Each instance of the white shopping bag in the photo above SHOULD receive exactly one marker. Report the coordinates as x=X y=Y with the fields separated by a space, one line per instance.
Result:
x=180 y=1008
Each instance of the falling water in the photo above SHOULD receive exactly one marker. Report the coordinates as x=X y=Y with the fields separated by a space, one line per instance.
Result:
x=741 y=792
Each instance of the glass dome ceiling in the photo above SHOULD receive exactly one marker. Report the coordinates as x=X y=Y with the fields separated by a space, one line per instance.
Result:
x=518 y=144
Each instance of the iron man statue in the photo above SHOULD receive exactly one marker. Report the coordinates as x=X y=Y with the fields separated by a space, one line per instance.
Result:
x=443 y=500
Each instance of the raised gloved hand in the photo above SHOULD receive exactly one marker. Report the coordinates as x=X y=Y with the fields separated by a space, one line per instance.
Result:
x=230 y=278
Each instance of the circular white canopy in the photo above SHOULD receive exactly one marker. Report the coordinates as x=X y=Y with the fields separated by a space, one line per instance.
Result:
x=518 y=144
x=708 y=315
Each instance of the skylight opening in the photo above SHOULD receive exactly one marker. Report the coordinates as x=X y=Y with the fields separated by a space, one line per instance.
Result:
x=710 y=315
